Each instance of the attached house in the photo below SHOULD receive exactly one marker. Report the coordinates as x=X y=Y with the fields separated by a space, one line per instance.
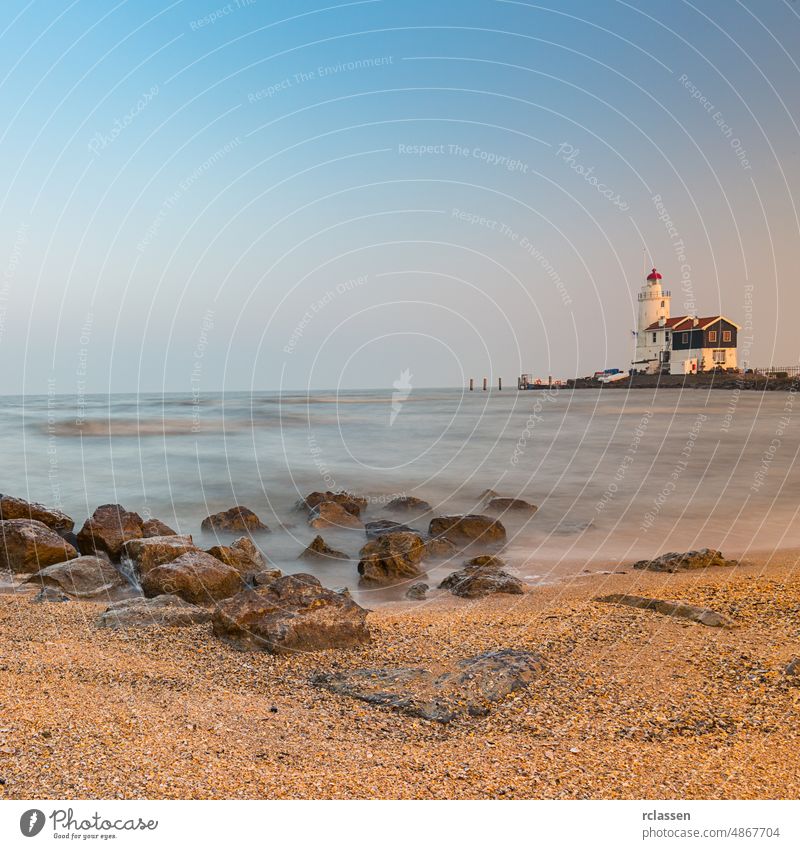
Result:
x=688 y=344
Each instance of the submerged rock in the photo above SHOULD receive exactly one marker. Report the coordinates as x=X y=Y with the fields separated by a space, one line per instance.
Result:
x=107 y=529
x=503 y=505
x=467 y=529
x=47 y=595
x=83 y=577
x=702 y=615
x=391 y=558
x=354 y=504
x=196 y=577
x=480 y=577
x=27 y=545
x=470 y=687
x=408 y=504
x=18 y=508
x=673 y=561
x=243 y=554
x=157 y=528
x=147 y=553
x=384 y=526
x=294 y=613
x=418 y=591
x=329 y=514
x=164 y=611
x=235 y=520
x=318 y=550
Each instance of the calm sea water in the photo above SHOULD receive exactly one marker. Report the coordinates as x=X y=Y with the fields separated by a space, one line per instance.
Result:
x=616 y=474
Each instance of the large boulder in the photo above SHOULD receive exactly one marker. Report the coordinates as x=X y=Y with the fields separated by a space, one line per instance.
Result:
x=354 y=504
x=165 y=611
x=83 y=577
x=384 y=526
x=196 y=577
x=243 y=554
x=236 y=520
x=392 y=558
x=467 y=529
x=408 y=504
x=319 y=550
x=18 y=508
x=687 y=561
x=107 y=529
x=480 y=577
x=469 y=687
x=156 y=528
x=505 y=505
x=331 y=514
x=149 y=552
x=702 y=615
x=294 y=613
x=27 y=545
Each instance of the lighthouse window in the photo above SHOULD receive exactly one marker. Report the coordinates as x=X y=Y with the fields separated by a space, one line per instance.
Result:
x=726 y=336
x=662 y=303
x=654 y=337
x=712 y=335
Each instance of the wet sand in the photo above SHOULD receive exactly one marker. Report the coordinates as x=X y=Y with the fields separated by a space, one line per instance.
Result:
x=632 y=705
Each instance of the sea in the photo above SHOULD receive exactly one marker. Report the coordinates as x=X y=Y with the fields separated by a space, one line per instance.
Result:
x=617 y=474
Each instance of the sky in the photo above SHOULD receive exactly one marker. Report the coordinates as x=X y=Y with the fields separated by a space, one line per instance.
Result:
x=199 y=196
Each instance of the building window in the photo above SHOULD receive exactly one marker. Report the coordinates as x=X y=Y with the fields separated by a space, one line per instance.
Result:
x=654 y=337
x=726 y=336
x=719 y=357
x=712 y=335
x=666 y=337
x=662 y=303
x=684 y=338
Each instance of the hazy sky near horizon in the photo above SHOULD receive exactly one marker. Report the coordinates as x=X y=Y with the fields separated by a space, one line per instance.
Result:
x=201 y=196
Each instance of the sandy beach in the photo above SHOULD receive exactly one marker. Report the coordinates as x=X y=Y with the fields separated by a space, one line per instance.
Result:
x=632 y=704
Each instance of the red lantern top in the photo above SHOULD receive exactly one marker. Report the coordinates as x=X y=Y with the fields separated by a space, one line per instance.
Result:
x=653 y=275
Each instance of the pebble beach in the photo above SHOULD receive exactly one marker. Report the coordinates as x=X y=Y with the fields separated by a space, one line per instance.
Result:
x=631 y=704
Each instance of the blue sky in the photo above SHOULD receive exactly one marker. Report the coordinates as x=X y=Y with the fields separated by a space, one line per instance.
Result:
x=288 y=194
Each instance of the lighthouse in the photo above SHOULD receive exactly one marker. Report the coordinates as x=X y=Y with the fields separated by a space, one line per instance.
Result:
x=652 y=336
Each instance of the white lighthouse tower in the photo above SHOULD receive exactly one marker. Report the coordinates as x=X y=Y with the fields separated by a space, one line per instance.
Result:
x=652 y=333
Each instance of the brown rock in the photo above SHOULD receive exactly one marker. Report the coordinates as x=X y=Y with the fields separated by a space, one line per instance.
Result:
x=687 y=561
x=384 y=526
x=391 y=558
x=480 y=577
x=294 y=613
x=318 y=550
x=502 y=505
x=150 y=552
x=440 y=548
x=243 y=554
x=165 y=611
x=417 y=591
x=408 y=504
x=196 y=577
x=703 y=615
x=107 y=529
x=352 y=503
x=83 y=577
x=27 y=545
x=156 y=528
x=235 y=520
x=467 y=529
x=330 y=514
x=18 y=508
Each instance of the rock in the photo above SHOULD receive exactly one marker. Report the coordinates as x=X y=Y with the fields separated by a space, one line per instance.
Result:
x=165 y=611
x=264 y=577
x=384 y=526
x=792 y=667
x=391 y=558
x=352 y=503
x=418 y=591
x=46 y=595
x=196 y=577
x=243 y=554
x=488 y=495
x=156 y=528
x=149 y=552
x=294 y=613
x=107 y=529
x=440 y=548
x=233 y=521
x=18 y=508
x=330 y=514
x=480 y=577
x=467 y=529
x=82 y=577
x=674 y=562
x=703 y=615
x=470 y=687
x=318 y=550
x=408 y=504
x=569 y=527
x=503 y=505
x=27 y=545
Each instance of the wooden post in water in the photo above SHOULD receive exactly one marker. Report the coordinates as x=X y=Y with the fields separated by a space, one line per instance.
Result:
x=500 y=383
x=471 y=387
x=485 y=384
x=549 y=382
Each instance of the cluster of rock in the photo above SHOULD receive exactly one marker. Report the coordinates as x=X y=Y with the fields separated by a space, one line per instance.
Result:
x=687 y=561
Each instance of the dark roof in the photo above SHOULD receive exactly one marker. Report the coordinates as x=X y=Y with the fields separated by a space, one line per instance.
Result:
x=677 y=322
